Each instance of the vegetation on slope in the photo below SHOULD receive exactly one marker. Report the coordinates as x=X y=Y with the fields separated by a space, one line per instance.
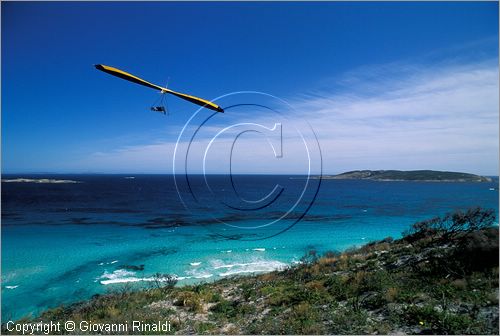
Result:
x=412 y=175
x=441 y=277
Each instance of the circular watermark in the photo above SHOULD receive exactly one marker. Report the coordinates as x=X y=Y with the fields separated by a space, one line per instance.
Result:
x=251 y=172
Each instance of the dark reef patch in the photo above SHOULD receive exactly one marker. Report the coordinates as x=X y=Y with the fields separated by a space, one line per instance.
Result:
x=133 y=267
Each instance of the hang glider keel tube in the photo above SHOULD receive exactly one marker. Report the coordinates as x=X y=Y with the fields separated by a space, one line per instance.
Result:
x=131 y=78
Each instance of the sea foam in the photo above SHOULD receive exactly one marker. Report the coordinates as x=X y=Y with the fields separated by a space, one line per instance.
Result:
x=256 y=266
x=124 y=276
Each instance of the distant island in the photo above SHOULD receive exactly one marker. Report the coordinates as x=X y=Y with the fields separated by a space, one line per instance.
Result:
x=42 y=180
x=408 y=175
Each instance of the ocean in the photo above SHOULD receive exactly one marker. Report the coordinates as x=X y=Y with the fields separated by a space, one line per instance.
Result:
x=65 y=242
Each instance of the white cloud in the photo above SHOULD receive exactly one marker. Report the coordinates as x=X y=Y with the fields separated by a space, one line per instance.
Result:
x=152 y=158
x=432 y=118
x=395 y=116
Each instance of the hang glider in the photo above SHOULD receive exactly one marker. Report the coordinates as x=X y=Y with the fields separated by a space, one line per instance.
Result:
x=125 y=75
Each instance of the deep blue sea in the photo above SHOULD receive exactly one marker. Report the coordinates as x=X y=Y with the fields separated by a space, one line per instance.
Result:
x=64 y=242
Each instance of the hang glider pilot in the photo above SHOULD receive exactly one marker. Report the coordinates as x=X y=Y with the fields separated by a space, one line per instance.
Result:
x=160 y=109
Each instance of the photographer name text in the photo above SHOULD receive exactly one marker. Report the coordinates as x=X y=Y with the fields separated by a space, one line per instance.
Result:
x=46 y=328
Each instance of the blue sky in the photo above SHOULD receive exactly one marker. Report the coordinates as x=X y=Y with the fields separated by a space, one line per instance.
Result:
x=386 y=85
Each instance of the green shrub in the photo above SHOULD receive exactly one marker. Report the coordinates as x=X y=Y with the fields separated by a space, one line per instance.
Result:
x=336 y=286
x=348 y=321
x=303 y=319
x=225 y=309
x=189 y=300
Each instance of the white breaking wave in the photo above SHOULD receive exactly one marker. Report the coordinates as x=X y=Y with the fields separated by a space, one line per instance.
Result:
x=216 y=267
x=257 y=266
x=119 y=276
x=204 y=276
x=124 y=276
x=108 y=263
x=199 y=274
x=122 y=280
x=260 y=249
x=11 y=287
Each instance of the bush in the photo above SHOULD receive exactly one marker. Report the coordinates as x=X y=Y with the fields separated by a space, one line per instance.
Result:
x=225 y=308
x=391 y=294
x=348 y=321
x=441 y=322
x=189 y=300
x=164 y=281
x=422 y=229
x=453 y=226
x=310 y=257
x=231 y=309
x=336 y=286
x=303 y=319
x=479 y=251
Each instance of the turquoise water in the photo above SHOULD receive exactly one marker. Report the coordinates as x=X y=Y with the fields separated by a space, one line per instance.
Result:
x=63 y=243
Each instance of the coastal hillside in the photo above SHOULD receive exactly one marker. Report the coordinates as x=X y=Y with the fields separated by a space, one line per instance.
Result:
x=441 y=277
x=411 y=175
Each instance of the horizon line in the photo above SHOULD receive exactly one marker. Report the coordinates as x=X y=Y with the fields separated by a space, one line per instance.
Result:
x=249 y=173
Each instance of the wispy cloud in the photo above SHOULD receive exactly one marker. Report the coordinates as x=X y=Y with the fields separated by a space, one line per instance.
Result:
x=426 y=117
x=395 y=116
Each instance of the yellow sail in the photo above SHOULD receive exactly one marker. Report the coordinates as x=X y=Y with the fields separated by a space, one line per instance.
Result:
x=125 y=75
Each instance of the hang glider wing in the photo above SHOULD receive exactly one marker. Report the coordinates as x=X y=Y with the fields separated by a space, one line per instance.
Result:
x=125 y=75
